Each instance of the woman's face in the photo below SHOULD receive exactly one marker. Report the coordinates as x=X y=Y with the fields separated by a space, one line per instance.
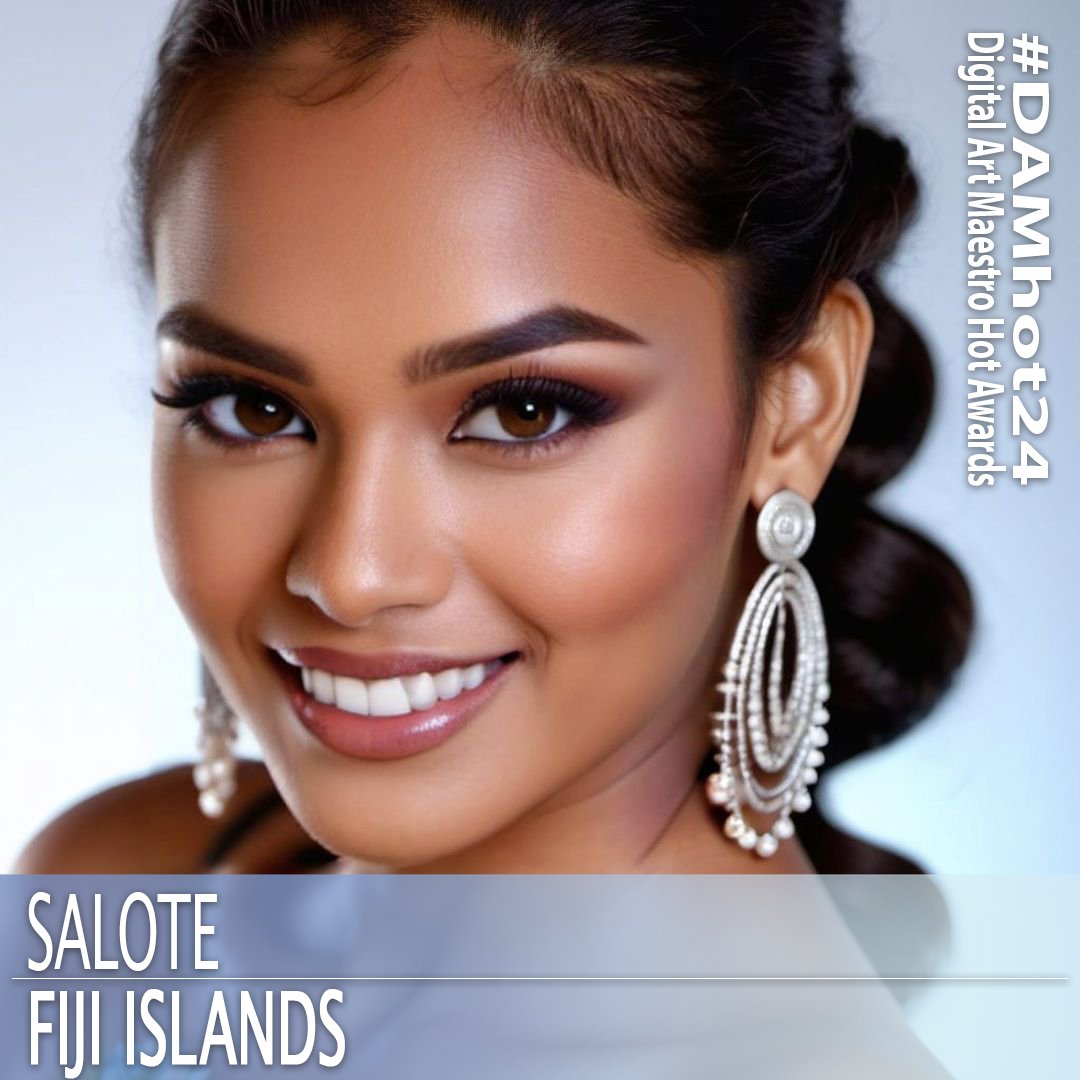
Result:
x=566 y=514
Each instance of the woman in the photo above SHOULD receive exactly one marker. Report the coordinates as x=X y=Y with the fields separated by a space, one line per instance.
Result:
x=503 y=347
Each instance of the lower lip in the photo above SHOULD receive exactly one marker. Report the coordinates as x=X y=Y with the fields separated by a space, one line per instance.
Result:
x=383 y=738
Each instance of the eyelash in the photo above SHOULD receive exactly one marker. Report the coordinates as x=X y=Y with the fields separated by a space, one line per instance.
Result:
x=587 y=408
x=191 y=392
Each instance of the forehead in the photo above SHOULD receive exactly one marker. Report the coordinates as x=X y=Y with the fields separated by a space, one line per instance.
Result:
x=406 y=211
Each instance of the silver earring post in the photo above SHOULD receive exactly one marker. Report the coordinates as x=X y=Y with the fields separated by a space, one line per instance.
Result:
x=760 y=728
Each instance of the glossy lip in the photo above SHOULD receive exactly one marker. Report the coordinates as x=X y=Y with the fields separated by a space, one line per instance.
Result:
x=382 y=738
x=385 y=665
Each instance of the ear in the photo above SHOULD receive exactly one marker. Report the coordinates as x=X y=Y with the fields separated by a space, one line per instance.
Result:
x=809 y=399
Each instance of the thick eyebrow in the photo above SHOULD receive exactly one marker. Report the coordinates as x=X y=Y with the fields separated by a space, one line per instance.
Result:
x=543 y=329
x=186 y=324
x=546 y=328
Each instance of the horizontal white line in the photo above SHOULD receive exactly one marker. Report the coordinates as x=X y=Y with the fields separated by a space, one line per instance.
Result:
x=539 y=978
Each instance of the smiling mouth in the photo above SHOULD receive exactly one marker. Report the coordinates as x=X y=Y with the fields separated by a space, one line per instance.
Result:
x=390 y=717
x=399 y=695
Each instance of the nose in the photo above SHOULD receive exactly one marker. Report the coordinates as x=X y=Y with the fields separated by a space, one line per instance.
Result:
x=370 y=541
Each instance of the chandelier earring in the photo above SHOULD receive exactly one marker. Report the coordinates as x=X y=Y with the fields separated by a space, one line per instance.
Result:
x=770 y=727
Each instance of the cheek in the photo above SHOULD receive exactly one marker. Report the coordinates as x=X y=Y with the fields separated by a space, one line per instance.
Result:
x=222 y=533
x=617 y=566
x=633 y=531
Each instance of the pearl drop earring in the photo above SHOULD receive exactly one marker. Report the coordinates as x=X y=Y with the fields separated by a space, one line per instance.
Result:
x=215 y=772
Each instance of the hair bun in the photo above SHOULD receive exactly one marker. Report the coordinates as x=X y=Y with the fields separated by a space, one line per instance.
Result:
x=895 y=404
x=879 y=197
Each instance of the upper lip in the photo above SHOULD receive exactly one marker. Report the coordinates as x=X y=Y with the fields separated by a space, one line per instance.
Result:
x=384 y=665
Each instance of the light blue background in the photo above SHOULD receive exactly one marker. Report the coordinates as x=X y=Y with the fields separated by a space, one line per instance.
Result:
x=98 y=665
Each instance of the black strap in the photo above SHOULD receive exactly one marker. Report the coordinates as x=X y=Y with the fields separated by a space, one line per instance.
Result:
x=307 y=857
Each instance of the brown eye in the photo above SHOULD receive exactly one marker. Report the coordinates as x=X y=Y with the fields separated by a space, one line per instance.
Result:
x=261 y=414
x=519 y=418
x=526 y=418
x=253 y=415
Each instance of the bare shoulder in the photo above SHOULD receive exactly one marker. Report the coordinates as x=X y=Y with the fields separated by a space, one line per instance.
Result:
x=151 y=824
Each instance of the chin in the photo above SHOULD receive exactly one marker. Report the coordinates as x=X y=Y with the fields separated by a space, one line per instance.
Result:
x=407 y=844
x=392 y=826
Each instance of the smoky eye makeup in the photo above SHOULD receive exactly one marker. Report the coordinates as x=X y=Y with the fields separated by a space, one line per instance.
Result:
x=523 y=413
x=530 y=410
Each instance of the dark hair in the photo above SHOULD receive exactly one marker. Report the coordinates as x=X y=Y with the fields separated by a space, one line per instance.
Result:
x=733 y=126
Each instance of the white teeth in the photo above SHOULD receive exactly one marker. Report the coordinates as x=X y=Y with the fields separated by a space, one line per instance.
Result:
x=473 y=676
x=394 y=697
x=421 y=690
x=351 y=694
x=323 y=687
x=448 y=683
x=387 y=697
